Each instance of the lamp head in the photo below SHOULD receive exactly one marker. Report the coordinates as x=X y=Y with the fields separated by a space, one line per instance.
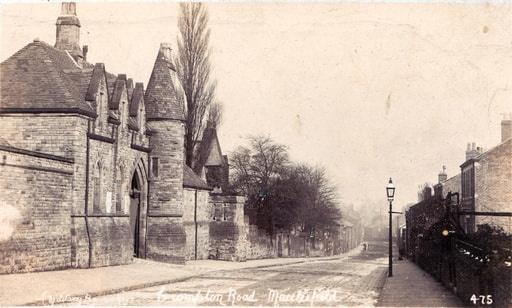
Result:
x=390 y=190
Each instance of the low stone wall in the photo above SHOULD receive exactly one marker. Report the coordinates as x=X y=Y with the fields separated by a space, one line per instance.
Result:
x=227 y=228
x=260 y=244
x=35 y=208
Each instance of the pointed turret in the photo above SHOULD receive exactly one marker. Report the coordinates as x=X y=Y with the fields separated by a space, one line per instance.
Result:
x=160 y=98
x=165 y=234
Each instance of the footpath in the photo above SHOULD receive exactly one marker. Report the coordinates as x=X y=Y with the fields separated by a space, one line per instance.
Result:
x=73 y=285
x=410 y=286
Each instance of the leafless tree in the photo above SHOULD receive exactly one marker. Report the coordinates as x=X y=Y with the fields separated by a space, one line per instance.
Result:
x=193 y=70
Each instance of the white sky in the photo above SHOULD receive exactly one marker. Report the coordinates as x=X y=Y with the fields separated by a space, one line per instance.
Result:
x=367 y=90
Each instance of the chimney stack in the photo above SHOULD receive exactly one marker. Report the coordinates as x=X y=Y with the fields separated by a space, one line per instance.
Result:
x=472 y=151
x=506 y=128
x=442 y=176
x=68 y=31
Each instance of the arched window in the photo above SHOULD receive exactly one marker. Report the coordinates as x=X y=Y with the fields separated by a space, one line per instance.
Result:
x=120 y=189
x=98 y=187
x=100 y=109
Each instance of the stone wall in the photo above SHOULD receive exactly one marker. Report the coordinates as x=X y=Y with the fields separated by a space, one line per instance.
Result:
x=260 y=244
x=493 y=179
x=36 y=202
x=227 y=229
x=196 y=220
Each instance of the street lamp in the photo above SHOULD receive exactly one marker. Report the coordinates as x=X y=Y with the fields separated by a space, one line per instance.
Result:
x=390 y=191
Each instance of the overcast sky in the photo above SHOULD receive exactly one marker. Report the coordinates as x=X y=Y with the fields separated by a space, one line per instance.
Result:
x=367 y=90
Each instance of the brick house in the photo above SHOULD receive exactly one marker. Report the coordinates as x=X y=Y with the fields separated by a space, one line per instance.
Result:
x=92 y=164
x=486 y=181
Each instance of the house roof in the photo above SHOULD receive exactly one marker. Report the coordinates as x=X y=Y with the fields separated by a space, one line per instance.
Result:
x=192 y=180
x=41 y=78
x=505 y=143
x=206 y=146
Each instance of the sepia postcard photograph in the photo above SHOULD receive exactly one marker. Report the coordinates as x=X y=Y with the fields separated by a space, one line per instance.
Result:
x=256 y=153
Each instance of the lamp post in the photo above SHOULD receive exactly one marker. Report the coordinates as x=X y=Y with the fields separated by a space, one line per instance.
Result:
x=390 y=191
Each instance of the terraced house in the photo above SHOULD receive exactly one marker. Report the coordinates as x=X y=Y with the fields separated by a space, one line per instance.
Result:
x=92 y=167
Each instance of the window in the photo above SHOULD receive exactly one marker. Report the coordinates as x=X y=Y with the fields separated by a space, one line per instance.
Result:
x=224 y=211
x=154 y=166
x=100 y=110
x=120 y=189
x=97 y=192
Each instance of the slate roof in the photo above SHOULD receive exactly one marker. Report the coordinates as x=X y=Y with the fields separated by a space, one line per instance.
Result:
x=205 y=146
x=192 y=180
x=160 y=97
x=40 y=78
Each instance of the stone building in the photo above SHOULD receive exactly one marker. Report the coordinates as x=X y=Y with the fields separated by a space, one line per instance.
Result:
x=92 y=165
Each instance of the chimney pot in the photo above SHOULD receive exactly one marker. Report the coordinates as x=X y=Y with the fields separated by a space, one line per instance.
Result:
x=68 y=31
x=68 y=8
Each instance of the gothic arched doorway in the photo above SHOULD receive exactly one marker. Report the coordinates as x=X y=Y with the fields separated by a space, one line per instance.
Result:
x=135 y=202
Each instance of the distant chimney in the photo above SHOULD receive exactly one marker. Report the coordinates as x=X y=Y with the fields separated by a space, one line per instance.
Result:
x=506 y=128
x=442 y=176
x=166 y=49
x=85 y=50
x=472 y=151
x=68 y=31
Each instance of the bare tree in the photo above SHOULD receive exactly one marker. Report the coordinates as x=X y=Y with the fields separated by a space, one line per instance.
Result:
x=193 y=70
x=282 y=194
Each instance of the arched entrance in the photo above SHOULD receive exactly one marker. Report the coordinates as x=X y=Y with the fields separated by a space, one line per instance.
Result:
x=135 y=205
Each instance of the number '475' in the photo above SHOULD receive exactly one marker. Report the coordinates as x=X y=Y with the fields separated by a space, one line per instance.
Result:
x=481 y=299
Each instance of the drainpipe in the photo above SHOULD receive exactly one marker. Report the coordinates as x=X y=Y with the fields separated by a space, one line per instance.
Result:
x=86 y=213
x=148 y=185
x=195 y=224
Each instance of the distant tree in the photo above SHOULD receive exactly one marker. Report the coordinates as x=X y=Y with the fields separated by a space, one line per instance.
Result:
x=193 y=70
x=318 y=209
x=281 y=194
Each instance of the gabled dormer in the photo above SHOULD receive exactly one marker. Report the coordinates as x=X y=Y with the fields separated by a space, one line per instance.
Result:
x=97 y=95
x=137 y=108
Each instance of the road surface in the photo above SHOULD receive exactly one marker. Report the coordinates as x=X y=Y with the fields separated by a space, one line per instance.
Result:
x=345 y=281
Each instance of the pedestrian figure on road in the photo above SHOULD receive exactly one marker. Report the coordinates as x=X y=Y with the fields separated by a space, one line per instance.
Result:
x=364 y=246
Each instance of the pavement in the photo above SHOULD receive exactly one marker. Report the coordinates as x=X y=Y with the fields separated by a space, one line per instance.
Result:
x=410 y=286
x=80 y=285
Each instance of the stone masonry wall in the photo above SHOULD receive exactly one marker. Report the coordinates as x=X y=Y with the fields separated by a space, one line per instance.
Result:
x=35 y=199
x=165 y=238
x=493 y=184
x=227 y=229
x=203 y=216
x=259 y=243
